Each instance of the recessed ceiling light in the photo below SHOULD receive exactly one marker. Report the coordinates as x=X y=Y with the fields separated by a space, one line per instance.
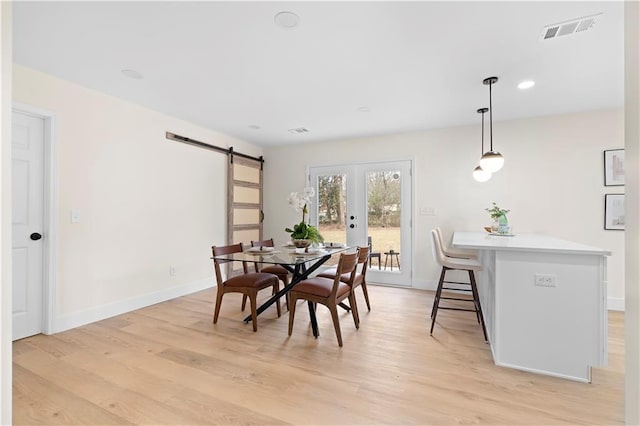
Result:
x=364 y=109
x=254 y=127
x=287 y=20
x=132 y=74
x=527 y=84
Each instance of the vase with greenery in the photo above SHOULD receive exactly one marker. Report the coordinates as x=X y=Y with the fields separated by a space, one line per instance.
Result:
x=303 y=234
x=499 y=216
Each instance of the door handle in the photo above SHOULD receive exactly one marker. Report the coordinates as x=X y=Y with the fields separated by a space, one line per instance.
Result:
x=352 y=226
x=35 y=236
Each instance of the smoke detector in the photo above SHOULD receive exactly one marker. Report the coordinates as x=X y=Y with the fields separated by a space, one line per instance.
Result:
x=573 y=26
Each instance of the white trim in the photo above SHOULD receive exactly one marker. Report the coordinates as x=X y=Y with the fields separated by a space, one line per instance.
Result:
x=50 y=209
x=98 y=313
x=615 y=304
x=548 y=373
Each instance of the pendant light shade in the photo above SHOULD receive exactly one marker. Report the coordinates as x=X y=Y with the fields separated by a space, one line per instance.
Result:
x=480 y=173
x=491 y=161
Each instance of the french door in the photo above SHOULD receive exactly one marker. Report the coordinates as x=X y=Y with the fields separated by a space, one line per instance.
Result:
x=365 y=204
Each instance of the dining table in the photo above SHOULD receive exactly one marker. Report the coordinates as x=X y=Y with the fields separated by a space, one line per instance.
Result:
x=301 y=263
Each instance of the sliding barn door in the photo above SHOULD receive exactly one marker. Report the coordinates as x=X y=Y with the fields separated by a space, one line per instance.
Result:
x=244 y=200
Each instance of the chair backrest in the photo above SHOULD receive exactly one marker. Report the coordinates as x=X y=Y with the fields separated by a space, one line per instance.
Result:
x=363 y=257
x=264 y=243
x=436 y=248
x=369 y=243
x=221 y=251
x=346 y=265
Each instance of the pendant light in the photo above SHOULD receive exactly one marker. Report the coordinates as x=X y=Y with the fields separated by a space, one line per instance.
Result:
x=491 y=161
x=480 y=174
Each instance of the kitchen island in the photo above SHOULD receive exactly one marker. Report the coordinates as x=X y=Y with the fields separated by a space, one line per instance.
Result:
x=544 y=302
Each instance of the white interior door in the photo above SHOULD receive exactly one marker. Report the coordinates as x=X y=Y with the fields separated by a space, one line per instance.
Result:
x=28 y=220
x=373 y=201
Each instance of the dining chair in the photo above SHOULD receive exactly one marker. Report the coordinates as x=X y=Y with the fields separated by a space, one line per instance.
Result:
x=360 y=278
x=373 y=254
x=328 y=292
x=455 y=264
x=247 y=283
x=453 y=252
x=277 y=270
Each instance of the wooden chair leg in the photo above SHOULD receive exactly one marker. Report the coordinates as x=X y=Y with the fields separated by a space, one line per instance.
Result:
x=254 y=309
x=366 y=294
x=436 y=302
x=244 y=302
x=292 y=312
x=276 y=288
x=354 y=310
x=218 y=303
x=336 y=322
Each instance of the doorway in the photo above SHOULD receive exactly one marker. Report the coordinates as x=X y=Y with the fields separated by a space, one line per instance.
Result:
x=33 y=236
x=368 y=204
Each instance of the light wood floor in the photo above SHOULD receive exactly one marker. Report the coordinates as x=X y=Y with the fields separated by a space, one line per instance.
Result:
x=168 y=364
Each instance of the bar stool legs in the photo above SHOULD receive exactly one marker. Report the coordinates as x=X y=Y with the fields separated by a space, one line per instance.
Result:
x=476 y=299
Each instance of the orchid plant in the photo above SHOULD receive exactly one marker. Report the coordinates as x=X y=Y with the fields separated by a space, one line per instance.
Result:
x=302 y=230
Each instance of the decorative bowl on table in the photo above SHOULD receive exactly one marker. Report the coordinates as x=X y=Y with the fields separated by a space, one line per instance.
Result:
x=301 y=243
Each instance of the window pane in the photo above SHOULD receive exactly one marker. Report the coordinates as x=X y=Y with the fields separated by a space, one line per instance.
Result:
x=383 y=217
x=246 y=195
x=246 y=216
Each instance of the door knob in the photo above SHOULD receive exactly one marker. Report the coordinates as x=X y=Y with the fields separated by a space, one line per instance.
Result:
x=35 y=236
x=352 y=226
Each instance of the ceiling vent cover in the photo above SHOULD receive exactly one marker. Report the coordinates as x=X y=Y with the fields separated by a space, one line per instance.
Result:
x=569 y=27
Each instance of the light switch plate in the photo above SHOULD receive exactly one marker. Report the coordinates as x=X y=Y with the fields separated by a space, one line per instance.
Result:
x=75 y=216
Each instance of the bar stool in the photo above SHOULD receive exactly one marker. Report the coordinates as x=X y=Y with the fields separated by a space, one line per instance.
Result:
x=452 y=252
x=455 y=264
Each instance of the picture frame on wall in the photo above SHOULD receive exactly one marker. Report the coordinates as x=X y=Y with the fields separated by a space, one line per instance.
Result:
x=614 y=167
x=614 y=212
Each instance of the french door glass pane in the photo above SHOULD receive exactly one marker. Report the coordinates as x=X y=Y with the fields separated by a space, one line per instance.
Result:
x=384 y=206
x=332 y=209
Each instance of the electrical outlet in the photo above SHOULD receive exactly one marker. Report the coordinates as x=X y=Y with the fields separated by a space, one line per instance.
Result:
x=172 y=271
x=545 y=280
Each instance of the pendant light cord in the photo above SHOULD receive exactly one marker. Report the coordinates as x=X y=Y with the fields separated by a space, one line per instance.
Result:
x=482 y=146
x=490 y=118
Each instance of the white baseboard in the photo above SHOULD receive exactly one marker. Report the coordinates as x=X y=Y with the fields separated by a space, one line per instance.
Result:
x=615 y=304
x=425 y=285
x=98 y=313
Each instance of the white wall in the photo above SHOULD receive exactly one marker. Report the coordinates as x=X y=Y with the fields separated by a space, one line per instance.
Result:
x=552 y=181
x=5 y=214
x=146 y=203
x=632 y=151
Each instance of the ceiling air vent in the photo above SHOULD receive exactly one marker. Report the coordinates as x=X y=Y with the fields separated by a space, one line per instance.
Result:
x=569 y=27
x=299 y=130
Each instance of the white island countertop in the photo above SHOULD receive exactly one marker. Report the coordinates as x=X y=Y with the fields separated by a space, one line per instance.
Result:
x=523 y=242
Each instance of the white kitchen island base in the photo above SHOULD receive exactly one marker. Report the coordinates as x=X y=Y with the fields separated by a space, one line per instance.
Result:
x=544 y=302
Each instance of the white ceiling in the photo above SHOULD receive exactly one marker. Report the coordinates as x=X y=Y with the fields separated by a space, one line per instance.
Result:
x=414 y=65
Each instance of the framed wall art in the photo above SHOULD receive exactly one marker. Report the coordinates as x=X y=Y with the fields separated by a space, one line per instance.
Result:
x=614 y=212
x=614 y=167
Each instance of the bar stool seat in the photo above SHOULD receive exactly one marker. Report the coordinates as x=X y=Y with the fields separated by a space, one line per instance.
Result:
x=455 y=264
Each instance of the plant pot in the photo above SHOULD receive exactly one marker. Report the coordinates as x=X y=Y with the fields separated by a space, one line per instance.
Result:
x=301 y=243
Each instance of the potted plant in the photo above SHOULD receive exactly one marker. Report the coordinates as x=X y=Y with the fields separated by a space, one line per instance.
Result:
x=499 y=216
x=303 y=234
